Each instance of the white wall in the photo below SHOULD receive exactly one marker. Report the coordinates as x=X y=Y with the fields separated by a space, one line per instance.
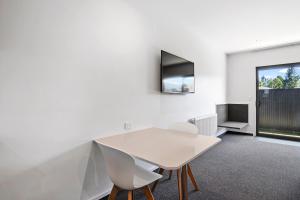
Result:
x=241 y=75
x=72 y=71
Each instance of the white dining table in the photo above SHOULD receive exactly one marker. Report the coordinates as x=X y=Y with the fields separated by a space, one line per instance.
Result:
x=168 y=149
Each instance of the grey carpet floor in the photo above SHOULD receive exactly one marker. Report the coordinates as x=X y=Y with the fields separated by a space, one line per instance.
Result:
x=239 y=168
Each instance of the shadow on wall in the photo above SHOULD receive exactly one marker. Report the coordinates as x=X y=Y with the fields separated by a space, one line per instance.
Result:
x=75 y=174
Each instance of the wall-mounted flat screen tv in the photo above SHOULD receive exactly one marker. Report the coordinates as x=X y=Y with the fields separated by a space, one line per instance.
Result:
x=177 y=74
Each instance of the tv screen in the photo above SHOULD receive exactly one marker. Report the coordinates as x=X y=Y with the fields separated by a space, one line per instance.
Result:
x=177 y=74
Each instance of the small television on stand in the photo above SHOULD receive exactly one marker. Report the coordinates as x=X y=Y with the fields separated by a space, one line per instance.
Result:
x=177 y=74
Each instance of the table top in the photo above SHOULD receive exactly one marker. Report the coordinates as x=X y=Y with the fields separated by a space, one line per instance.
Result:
x=168 y=149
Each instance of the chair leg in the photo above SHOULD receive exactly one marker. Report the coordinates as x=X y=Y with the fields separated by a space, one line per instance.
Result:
x=161 y=171
x=190 y=173
x=130 y=195
x=113 y=193
x=170 y=174
x=148 y=193
x=184 y=183
x=179 y=183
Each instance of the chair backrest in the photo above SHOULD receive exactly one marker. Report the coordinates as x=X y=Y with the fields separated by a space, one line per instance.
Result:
x=119 y=166
x=184 y=127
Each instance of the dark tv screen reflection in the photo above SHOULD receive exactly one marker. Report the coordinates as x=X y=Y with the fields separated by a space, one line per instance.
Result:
x=177 y=74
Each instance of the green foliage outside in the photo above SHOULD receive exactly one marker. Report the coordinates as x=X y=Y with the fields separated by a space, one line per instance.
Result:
x=291 y=80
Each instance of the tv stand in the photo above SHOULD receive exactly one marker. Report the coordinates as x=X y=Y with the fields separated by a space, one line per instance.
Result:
x=232 y=116
x=233 y=125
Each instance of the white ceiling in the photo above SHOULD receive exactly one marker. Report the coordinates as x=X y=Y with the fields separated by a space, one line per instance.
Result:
x=234 y=25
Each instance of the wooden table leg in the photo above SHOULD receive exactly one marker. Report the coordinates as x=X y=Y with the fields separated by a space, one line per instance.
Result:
x=130 y=195
x=161 y=171
x=184 y=183
x=190 y=173
x=170 y=174
x=179 y=183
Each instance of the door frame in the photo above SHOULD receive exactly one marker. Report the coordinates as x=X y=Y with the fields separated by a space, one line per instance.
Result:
x=284 y=137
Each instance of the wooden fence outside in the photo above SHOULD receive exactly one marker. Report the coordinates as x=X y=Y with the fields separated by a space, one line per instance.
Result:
x=279 y=109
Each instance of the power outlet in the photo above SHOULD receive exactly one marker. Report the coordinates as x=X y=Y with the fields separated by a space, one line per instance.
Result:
x=127 y=126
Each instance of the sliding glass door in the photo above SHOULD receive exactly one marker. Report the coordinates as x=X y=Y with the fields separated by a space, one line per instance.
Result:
x=278 y=101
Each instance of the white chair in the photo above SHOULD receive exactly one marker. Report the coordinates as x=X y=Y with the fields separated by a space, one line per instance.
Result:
x=146 y=165
x=190 y=129
x=125 y=174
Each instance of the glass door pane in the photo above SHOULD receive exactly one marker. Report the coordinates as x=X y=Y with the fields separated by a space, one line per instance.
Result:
x=278 y=101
